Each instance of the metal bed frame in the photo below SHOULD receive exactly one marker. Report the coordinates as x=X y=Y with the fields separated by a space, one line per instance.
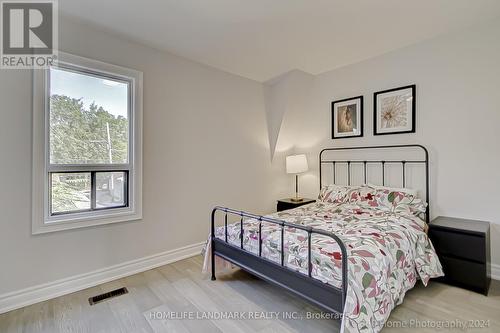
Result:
x=327 y=297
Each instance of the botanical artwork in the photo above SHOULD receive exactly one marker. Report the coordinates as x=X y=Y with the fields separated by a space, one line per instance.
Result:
x=394 y=111
x=347 y=118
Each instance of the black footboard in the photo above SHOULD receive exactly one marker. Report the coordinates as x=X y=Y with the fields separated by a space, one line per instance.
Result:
x=329 y=298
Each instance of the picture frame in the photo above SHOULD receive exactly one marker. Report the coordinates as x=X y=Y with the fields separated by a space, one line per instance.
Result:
x=394 y=111
x=347 y=118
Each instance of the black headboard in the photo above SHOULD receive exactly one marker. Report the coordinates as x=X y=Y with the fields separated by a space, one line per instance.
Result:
x=378 y=160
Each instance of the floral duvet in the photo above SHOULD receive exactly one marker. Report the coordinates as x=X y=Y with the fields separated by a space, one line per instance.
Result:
x=387 y=252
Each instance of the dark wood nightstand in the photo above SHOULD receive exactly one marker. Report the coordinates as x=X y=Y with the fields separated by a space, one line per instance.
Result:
x=463 y=247
x=284 y=204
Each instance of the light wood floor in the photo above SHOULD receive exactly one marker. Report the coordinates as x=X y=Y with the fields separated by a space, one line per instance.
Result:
x=181 y=288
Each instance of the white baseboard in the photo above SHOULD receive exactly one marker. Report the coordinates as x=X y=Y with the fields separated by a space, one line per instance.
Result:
x=495 y=272
x=46 y=291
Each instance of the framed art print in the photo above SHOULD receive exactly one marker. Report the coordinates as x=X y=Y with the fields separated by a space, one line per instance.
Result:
x=347 y=118
x=394 y=111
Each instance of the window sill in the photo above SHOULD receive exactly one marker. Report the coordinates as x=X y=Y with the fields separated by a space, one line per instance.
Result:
x=77 y=221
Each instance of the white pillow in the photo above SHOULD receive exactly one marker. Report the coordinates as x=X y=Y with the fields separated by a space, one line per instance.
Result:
x=344 y=193
x=409 y=202
x=395 y=189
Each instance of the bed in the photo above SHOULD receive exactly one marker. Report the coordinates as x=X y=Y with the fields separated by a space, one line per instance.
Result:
x=354 y=253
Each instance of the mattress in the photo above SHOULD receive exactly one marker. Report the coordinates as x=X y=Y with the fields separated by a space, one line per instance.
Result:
x=387 y=252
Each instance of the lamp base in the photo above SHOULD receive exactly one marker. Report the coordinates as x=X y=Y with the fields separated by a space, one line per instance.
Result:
x=297 y=199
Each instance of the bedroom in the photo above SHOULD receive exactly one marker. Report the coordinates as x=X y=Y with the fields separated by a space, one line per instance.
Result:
x=229 y=91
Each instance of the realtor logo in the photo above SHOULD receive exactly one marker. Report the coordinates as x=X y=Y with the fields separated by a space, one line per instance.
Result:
x=28 y=37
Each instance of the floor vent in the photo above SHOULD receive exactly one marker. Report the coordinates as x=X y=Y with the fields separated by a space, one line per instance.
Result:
x=105 y=296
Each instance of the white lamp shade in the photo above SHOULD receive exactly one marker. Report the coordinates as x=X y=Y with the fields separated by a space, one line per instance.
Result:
x=296 y=163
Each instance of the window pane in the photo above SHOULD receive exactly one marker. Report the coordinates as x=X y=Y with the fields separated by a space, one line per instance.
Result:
x=89 y=122
x=110 y=189
x=70 y=192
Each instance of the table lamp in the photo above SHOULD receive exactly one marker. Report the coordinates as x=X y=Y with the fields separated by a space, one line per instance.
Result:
x=296 y=164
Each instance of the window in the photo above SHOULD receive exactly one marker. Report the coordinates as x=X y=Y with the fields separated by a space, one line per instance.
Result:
x=88 y=125
x=87 y=144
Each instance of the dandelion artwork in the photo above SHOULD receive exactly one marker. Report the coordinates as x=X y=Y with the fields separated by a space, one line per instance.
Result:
x=395 y=111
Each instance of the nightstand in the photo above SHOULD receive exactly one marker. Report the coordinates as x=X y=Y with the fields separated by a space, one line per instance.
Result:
x=284 y=204
x=463 y=247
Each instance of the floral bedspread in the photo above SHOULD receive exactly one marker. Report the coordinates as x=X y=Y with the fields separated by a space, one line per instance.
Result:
x=387 y=252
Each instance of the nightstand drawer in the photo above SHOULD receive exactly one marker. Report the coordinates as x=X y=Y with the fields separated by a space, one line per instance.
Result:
x=465 y=273
x=461 y=245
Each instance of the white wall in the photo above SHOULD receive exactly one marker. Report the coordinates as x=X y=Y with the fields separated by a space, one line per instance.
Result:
x=458 y=118
x=286 y=94
x=205 y=143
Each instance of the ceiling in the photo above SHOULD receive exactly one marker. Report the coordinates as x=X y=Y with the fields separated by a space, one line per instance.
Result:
x=260 y=39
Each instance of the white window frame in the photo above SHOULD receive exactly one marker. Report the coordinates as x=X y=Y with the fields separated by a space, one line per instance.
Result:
x=42 y=220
